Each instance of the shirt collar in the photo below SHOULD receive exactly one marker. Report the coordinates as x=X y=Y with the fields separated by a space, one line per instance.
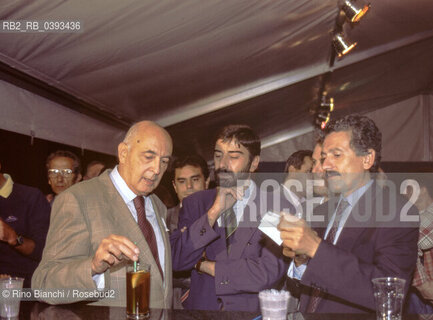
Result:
x=247 y=195
x=354 y=197
x=127 y=194
x=6 y=190
x=240 y=205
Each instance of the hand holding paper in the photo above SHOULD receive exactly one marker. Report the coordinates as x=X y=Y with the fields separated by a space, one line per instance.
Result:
x=297 y=235
x=270 y=222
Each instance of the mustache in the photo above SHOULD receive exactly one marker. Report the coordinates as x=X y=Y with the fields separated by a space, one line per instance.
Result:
x=218 y=171
x=332 y=174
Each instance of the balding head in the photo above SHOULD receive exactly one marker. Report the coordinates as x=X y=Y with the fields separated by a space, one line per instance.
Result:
x=144 y=155
x=144 y=127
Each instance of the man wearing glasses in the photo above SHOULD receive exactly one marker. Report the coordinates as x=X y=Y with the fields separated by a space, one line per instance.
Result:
x=64 y=169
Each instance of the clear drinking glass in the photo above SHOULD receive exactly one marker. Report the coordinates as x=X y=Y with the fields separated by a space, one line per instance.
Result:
x=137 y=291
x=10 y=301
x=389 y=295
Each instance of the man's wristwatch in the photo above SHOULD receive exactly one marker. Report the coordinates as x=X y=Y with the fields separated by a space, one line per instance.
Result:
x=198 y=264
x=20 y=241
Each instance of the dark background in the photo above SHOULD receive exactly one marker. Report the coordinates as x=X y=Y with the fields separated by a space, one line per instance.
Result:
x=24 y=160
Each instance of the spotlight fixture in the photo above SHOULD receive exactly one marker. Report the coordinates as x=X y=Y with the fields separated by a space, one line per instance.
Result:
x=323 y=114
x=322 y=120
x=355 y=9
x=327 y=105
x=341 y=44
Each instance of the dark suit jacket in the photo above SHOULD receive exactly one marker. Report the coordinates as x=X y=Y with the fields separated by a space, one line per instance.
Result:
x=375 y=242
x=253 y=264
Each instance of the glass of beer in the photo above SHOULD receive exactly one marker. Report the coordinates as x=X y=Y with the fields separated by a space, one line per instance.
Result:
x=137 y=291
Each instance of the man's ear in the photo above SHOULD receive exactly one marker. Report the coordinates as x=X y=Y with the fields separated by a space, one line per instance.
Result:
x=207 y=182
x=423 y=191
x=368 y=159
x=254 y=163
x=174 y=186
x=122 y=152
x=79 y=177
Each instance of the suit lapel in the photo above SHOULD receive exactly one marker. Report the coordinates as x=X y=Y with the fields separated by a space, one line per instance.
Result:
x=246 y=228
x=353 y=227
x=163 y=229
x=323 y=212
x=218 y=249
x=241 y=237
x=121 y=214
x=167 y=255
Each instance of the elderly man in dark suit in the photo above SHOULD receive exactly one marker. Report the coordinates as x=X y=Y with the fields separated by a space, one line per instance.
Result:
x=366 y=233
x=218 y=235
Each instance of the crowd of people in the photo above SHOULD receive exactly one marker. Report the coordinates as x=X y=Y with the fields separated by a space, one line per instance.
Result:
x=208 y=252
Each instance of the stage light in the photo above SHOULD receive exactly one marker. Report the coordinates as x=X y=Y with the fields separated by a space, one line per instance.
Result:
x=341 y=44
x=323 y=114
x=327 y=106
x=324 y=123
x=355 y=9
x=322 y=120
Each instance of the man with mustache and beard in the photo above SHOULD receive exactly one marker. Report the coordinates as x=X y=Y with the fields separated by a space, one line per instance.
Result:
x=218 y=239
x=366 y=235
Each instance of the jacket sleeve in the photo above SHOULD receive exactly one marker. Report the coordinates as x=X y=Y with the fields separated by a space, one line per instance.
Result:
x=66 y=260
x=262 y=268
x=39 y=220
x=338 y=272
x=188 y=246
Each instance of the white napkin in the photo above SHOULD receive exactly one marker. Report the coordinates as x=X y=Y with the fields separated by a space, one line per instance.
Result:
x=269 y=224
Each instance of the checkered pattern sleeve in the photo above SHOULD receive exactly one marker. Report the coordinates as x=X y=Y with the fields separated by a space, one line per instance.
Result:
x=425 y=241
x=424 y=267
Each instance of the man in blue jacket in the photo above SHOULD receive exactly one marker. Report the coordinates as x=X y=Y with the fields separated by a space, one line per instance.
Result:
x=24 y=221
x=232 y=260
x=365 y=234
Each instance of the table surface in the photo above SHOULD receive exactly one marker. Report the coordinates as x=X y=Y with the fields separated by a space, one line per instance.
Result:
x=37 y=310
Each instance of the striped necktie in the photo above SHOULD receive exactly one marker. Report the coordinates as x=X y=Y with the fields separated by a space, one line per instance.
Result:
x=316 y=294
x=147 y=230
x=230 y=225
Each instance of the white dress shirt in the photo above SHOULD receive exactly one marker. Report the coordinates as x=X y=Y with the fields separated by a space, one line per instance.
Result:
x=240 y=205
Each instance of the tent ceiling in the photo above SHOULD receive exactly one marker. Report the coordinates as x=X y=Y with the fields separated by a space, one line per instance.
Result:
x=195 y=66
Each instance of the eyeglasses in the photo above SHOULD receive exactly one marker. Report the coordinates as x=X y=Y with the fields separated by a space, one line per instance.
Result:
x=65 y=173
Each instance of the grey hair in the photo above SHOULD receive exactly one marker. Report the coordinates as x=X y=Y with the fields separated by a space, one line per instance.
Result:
x=131 y=132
